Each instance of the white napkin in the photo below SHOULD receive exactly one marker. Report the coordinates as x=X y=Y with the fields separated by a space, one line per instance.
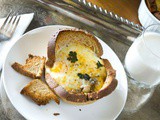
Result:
x=22 y=26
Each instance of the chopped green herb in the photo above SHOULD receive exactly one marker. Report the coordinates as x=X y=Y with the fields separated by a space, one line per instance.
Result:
x=72 y=57
x=80 y=75
x=86 y=76
x=99 y=64
x=83 y=76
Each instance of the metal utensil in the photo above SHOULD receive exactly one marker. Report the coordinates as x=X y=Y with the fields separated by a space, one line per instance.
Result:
x=9 y=26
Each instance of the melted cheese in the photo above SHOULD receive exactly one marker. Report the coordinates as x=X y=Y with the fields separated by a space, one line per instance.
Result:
x=65 y=72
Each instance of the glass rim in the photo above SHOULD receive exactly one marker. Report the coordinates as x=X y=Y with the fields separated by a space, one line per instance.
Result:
x=143 y=33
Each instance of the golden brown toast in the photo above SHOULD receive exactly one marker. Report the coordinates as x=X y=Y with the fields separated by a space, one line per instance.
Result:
x=39 y=92
x=33 y=68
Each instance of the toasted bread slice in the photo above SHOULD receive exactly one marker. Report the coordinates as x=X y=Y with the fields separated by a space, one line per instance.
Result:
x=33 y=68
x=75 y=70
x=39 y=92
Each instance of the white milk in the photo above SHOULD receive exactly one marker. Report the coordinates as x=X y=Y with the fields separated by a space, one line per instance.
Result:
x=141 y=63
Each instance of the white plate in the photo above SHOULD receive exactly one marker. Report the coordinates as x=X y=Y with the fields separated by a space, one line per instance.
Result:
x=35 y=42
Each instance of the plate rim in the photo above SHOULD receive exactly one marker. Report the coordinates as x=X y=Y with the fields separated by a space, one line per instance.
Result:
x=62 y=26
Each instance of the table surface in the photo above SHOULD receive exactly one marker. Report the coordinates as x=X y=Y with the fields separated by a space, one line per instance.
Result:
x=45 y=16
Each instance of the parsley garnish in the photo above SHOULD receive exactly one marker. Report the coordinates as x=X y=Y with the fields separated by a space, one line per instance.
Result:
x=72 y=57
x=83 y=76
x=99 y=64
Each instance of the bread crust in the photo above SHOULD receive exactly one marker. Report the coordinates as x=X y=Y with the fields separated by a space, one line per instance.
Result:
x=51 y=50
x=80 y=98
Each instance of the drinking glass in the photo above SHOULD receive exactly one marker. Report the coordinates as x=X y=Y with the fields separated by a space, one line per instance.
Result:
x=142 y=65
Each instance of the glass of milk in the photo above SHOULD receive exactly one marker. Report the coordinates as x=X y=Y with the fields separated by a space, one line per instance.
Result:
x=142 y=65
x=142 y=61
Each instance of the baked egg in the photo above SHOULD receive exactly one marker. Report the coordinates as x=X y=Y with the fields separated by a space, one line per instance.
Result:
x=78 y=69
